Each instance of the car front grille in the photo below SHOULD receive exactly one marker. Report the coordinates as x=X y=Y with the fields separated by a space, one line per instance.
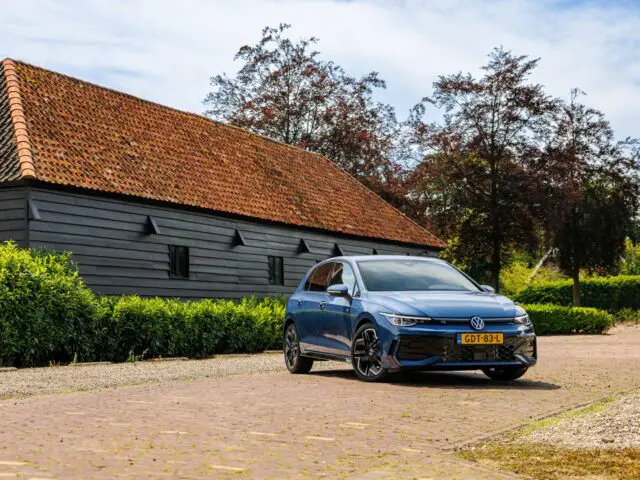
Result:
x=414 y=348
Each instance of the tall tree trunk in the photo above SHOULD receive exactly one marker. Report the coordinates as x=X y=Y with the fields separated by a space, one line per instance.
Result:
x=576 y=287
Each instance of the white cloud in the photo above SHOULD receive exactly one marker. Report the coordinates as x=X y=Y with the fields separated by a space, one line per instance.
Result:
x=165 y=50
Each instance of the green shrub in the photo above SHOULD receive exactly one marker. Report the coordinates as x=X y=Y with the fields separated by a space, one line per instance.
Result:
x=605 y=293
x=48 y=315
x=627 y=315
x=134 y=327
x=513 y=277
x=554 y=319
x=45 y=310
x=630 y=264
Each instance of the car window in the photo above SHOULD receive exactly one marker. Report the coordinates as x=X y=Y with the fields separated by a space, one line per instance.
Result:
x=343 y=274
x=317 y=281
x=413 y=275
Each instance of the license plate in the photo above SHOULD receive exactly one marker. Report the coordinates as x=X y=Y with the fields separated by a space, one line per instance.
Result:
x=480 y=338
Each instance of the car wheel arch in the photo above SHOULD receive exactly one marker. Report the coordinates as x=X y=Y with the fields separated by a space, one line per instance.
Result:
x=288 y=321
x=361 y=320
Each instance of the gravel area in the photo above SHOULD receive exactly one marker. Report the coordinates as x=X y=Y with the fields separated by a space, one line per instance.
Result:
x=36 y=381
x=617 y=426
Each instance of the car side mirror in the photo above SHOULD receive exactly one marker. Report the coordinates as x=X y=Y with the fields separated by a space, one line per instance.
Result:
x=339 y=290
x=487 y=288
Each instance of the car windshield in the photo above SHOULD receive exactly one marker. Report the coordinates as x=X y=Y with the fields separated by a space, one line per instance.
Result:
x=412 y=275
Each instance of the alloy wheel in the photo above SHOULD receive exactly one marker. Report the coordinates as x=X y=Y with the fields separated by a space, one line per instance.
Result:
x=366 y=353
x=291 y=346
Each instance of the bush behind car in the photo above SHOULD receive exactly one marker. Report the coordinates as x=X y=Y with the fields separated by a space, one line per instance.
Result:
x=605 y=293
x=556 y=319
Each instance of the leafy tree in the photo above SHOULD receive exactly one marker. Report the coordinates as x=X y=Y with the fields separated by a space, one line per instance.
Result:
x=631 y=258
x=283 y=90
x=594 y=201
x=478 y=177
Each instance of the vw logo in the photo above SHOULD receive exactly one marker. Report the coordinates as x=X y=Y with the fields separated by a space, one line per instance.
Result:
x=477 y=323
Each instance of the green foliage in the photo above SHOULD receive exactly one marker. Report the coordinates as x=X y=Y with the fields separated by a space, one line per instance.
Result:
x=48 y=315
x=627 y=315
x=554 y=319
x=45 y=309
x=514 y=277
x=605 y=293
x=630 y=264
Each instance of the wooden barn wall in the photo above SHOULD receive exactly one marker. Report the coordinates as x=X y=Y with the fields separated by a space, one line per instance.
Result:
x=13 y=215
x=116 y=254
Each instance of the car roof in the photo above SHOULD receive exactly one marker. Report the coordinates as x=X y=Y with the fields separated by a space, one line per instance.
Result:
x=364 y=258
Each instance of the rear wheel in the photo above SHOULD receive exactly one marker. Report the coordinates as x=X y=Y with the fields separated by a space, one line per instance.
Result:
x=505 y=373
x=365 y=354
x=295 y=362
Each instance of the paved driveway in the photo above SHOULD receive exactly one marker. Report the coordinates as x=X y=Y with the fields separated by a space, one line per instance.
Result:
x=327 y=424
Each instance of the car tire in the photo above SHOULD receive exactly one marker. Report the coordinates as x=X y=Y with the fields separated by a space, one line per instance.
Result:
x=365 y=354
x=505 y=373
x=294 y=361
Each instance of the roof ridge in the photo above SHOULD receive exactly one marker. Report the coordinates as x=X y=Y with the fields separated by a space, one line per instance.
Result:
x=16 y=112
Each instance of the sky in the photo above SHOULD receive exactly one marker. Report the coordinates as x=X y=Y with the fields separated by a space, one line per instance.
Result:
x=166 y=50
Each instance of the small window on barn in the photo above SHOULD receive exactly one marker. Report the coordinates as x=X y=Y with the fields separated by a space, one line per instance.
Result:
x=178 y=261
x=276 y=271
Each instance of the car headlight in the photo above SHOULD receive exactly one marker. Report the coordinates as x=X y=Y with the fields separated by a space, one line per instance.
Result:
x=522 y=317
x=405 y=320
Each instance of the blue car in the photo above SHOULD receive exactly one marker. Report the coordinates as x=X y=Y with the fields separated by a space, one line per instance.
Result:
x=391 y=313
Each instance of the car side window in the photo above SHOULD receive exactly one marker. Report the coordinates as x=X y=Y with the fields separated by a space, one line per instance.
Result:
x=343 y=274
x=317 y=281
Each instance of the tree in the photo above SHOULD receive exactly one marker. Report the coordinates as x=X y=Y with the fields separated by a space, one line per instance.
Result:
x=477 y=179
x=595 y=198
x=283 y=90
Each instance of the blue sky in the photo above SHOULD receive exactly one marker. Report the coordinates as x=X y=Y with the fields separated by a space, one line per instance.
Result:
x=166 y=50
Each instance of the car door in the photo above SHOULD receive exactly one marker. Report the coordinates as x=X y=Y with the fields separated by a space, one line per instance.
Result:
x=311 y=308
x=338 y=311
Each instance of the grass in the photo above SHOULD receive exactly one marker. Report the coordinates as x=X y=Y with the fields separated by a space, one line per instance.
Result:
x=548 y=462
x=554 y=420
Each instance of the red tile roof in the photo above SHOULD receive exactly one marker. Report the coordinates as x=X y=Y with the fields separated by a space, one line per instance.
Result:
x=71 y=132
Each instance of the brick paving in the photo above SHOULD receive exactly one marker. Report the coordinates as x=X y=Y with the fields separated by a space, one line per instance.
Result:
x=327 y=424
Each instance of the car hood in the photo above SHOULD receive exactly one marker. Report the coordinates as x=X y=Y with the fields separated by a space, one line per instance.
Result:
x=446 y=304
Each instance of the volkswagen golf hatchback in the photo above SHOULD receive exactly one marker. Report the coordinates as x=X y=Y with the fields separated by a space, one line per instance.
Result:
x=391 y=313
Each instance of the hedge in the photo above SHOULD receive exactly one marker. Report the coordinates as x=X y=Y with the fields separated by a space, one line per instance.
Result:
x=45 y=309
x=605 y=293
x=555 y=319
x=47 y=314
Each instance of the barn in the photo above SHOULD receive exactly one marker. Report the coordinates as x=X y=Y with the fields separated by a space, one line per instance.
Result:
x=159 y=202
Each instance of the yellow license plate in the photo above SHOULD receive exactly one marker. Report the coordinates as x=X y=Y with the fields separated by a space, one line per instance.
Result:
x=481 y=339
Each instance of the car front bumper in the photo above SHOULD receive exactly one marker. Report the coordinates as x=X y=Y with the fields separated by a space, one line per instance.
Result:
x=440 y=351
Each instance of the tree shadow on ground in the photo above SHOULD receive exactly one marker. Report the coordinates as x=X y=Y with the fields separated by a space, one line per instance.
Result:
x=457 y=380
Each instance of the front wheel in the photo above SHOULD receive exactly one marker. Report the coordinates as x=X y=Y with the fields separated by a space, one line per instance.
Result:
x=295 y=362
x=505 y=373
x=365 y=354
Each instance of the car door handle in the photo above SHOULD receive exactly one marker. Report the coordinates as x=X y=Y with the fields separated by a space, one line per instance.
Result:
x=323 y=305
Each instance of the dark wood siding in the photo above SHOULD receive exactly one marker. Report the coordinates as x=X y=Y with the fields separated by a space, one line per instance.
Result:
x=116 y=255
x=13 y=212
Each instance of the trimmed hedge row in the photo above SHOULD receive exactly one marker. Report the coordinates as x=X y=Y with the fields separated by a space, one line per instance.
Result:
x=605 y=293
x=133 y=327
x=48 y=315
x=555 y=319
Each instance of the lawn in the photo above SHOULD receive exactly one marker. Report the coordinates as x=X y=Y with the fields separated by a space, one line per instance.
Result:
x=557 y=458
